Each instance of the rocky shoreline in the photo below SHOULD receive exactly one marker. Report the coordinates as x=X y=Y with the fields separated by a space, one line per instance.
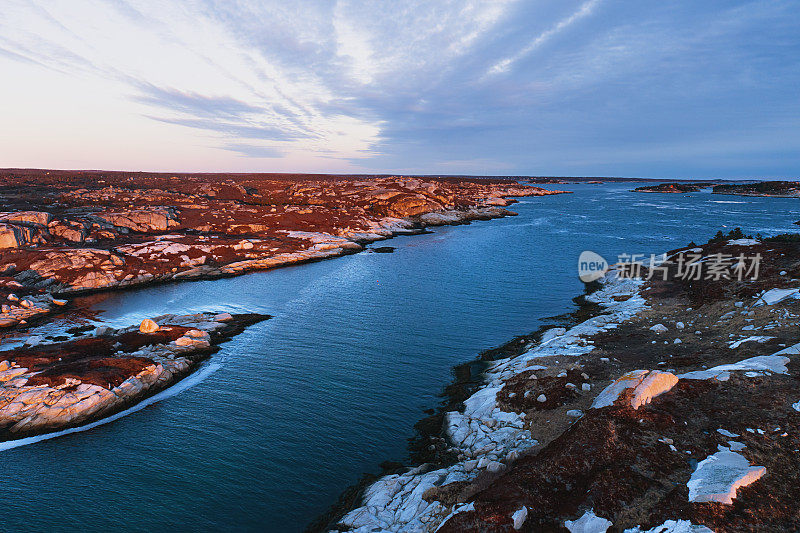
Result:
x=429 y=446
x=482 y=437
x=112 y=231
x=104 y=231
x=46 y=388
x=613 y=422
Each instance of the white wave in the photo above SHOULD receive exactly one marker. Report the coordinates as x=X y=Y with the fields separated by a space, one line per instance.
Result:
x=726 y=202
x=179 y=387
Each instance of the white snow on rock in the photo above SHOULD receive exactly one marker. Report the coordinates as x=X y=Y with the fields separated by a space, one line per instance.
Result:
x=551 y=334
x=462 y=509
x=658 y=329
x=718 y=476
x=754 y=338
x=774 y=363
x=673 y=526
x=483 y=434
x=791 y=350
x=796 y=406
x=646 y=385
x=588 y=523
x=773 y=296
x=743 y=242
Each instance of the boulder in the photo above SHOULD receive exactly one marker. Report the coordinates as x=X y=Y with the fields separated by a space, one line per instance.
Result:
x=655 y=383
x=143 y=220
x=69 y=233
x=192 y=341
x=33 y=218
x=148 y=326
x=11 y=236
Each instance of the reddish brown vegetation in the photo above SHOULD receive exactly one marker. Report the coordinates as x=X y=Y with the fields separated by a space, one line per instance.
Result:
x=619 y=461
x=92 y=359
x=68 y=231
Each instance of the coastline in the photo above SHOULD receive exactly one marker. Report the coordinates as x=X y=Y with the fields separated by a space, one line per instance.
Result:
x=46 y=389
x=83 y=412
x=155 y=229
x=483 y=439
x=428 y=446
x=536 y=428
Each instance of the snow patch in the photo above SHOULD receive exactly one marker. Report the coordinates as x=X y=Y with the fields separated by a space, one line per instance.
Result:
x=673 y=526
x=743 y=242
x=718 y=476
x=588 y=523
x=755 y=338
x=763 y=363
x=773 y=296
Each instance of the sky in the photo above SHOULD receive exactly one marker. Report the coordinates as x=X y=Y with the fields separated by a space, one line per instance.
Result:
x=665 y=89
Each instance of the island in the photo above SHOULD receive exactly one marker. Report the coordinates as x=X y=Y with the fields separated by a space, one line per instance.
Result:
x=673 y=187
x=779 y=189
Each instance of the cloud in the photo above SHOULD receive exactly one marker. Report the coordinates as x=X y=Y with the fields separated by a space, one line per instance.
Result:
x=426 y=85
x=505 y=64
x=194 y=104
x=259 y=152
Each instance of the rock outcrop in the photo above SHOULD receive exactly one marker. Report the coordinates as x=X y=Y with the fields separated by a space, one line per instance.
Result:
x=112 y=230
x=50 y=387
x=143 y=220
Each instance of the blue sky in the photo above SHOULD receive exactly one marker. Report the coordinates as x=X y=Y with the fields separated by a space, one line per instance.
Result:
x=676 y=89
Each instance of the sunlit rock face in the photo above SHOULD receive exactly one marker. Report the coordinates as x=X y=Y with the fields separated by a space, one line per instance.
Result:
x=51 y=387
x=68 y=232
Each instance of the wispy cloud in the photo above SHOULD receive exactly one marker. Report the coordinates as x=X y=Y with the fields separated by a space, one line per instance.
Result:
x=258 y=152
x=505 y=64
x=427 y=85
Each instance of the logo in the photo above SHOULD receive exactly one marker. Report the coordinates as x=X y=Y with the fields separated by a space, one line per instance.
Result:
x=591 y=266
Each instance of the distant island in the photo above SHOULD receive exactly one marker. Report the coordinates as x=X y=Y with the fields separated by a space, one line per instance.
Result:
x=780 y=189
x=673 y=187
